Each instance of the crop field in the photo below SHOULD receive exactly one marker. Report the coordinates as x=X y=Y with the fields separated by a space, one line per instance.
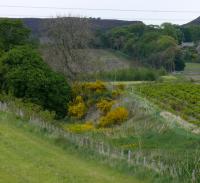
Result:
x=180 y=98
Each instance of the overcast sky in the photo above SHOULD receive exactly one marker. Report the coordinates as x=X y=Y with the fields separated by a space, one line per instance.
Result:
x=147 y=17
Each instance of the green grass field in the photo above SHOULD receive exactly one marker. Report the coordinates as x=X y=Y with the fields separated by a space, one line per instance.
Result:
x=28 y=158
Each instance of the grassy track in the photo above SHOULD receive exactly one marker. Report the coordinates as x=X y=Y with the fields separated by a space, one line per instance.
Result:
x=27 y=158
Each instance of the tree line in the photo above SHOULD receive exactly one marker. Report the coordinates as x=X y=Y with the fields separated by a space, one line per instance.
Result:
x=155 y=46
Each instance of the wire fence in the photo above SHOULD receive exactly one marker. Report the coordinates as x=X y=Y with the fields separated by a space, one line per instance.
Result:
x=152 y=161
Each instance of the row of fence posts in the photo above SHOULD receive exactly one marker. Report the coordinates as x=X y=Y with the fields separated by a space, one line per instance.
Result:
x=132 y=158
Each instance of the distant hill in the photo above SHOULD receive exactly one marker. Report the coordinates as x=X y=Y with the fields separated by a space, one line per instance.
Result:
x=194 y=22
x=97 y=24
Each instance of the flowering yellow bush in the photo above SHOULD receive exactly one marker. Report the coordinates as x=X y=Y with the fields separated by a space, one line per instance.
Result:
x=80 y=128
x=77 y=88
x=104 y=105
x=77 y=108
x=116 y=116
x=97 y=86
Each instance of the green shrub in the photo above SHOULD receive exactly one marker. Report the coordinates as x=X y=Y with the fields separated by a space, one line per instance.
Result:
x=104 y=105
x=25 y=75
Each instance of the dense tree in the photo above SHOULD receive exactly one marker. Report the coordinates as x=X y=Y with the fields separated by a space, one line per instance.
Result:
x=24 y=74
x=152 y=45
x=12 y=33
x=173 y=31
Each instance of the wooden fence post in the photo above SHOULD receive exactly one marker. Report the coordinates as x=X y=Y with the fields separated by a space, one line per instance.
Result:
x=144 y=161
x=193 y=176
x=122 y=153
x=129 y=156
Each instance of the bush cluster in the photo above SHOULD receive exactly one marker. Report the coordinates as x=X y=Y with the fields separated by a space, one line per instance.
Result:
x=104 y=105
x=114 y=117
x=78 y=108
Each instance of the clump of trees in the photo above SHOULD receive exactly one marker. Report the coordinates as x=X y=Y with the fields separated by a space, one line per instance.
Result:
x=24 y=74
x=156 y=46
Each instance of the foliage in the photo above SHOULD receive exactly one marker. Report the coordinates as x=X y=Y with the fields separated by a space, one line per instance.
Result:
x=191 y=55
x=155 y=46
x=97 y=86
x=91 y=92
x=104 y=105
x=77 y=108
x=191 y=33
x=13 y=33
x=114 y=117
x=25 y=75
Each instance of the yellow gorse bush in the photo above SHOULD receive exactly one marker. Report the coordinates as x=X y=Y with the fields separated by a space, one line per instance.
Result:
x=97 y=86
x=114 y=117
x=78 y=108
x=104 y=105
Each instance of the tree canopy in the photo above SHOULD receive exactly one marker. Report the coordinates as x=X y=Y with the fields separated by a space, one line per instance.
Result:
x=12 y=33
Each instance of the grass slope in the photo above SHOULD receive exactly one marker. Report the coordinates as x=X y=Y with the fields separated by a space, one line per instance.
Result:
x=28 y=158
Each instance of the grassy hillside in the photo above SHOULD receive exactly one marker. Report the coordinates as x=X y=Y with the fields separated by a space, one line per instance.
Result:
x=97 y=60
x=106 y=60
x=28 y=158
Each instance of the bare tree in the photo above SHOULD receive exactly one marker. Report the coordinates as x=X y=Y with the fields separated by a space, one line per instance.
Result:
x=68 y=39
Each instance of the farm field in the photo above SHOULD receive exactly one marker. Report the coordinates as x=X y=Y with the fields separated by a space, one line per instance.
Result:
x=180 y=98
x=28 y=158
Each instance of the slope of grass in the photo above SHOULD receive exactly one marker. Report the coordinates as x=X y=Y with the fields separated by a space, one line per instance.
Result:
x=28 y=158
